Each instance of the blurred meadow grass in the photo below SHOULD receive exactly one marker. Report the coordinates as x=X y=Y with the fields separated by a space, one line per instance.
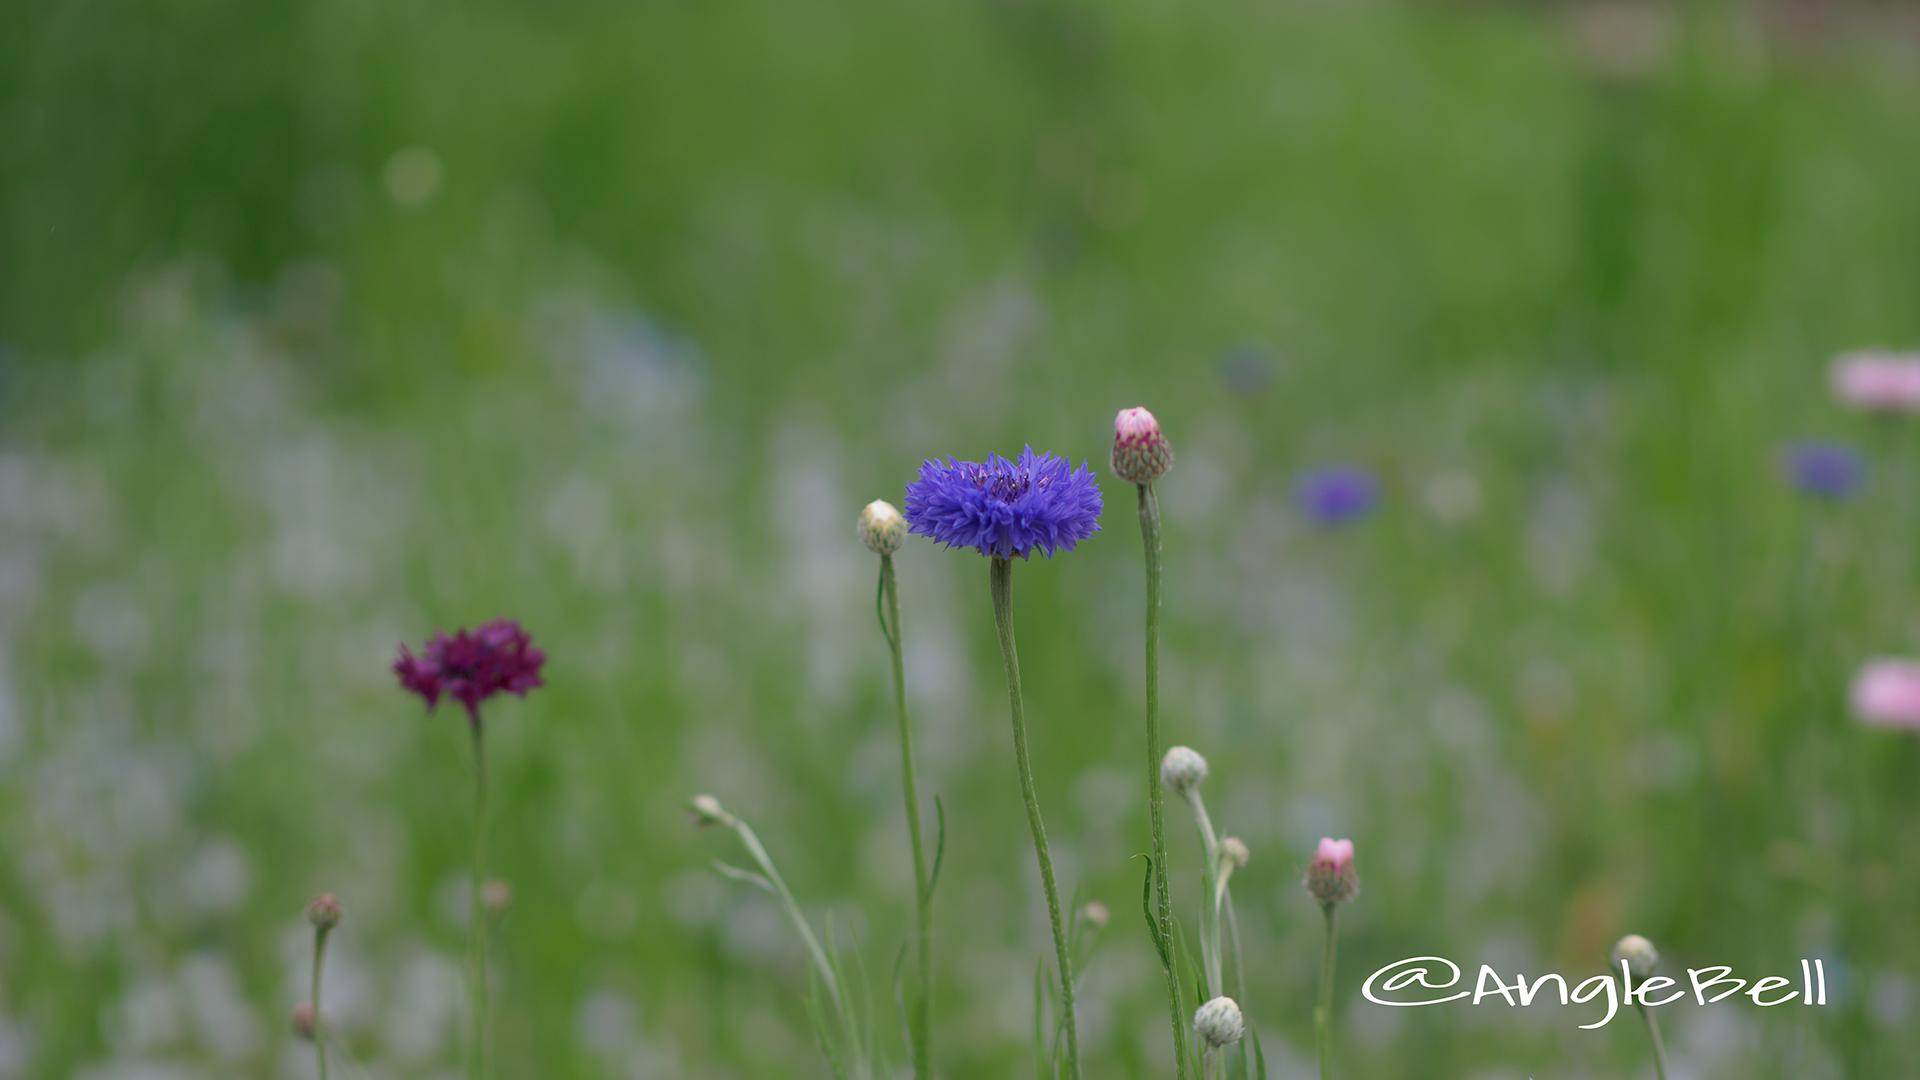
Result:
x=669 y=291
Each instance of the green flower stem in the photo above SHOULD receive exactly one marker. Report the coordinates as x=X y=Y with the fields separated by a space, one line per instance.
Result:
x=922 y=1019
x=1001 y=581
x=1156 y=800
x=794 y=915
x=1323 y=1015
x=1216 y=889
x=476 y=916
x=1653 y=1030
x=1239 y=980
x=1239 y=962
x=319 y=1033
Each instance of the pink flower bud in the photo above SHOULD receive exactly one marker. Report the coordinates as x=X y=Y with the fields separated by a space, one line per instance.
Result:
x=303 y=1021
x=324 y=912
x=1331 y=878
x=1887 y=693
x=1877 y=380
x=1141 y=454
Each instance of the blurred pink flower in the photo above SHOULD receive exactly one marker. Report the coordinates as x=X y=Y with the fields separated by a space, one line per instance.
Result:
x=1886 y=693
x=1334 y=856
x=1330 y=877
x=1877 y=380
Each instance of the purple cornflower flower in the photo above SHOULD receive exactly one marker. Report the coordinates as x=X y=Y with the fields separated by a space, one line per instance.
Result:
x=1829 y=470
x=470 y=668
x=1005 y=508
x=1337 y=494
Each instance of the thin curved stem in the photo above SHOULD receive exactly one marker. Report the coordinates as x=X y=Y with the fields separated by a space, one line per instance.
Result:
x=1659 y=1048
x=1239 y=975
x=1239 y=961
x=1156 y=799
x=1215 y=891
x=1001 y=580
x=824 y=966
x=922 y=1019
x=319 y=1032
x=476 y=914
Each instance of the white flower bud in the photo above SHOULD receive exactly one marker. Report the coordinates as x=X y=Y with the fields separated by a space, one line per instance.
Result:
x=882 y=528
x=1234 y=850
x=1219 y=1022
x=1182 y=769
x=1639 y=954
x=1095 y=914
x=708 y=811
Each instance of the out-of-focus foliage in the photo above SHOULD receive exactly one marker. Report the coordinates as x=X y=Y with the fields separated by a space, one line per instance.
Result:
x=326 y=325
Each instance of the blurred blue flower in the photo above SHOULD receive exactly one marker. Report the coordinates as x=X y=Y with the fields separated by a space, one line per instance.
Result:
x=1005 y=508
x=1829 y=470
x=1337 y=494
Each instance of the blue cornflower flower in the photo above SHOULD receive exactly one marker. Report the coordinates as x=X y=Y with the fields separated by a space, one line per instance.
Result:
x=1005 y=508
x=1338 y=494
x=1829 y=470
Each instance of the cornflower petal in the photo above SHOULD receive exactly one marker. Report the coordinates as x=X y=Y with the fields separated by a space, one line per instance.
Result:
x=1005 y=508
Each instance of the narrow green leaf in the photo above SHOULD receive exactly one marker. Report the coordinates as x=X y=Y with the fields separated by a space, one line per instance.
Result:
x=900 y=1001
x=748 y=876
x=1153 y=925
x=939 y=844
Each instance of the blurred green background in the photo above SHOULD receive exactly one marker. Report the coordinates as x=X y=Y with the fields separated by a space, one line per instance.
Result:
x=324 y=325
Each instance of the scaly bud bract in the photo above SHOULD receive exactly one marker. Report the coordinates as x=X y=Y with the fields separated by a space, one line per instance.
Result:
x=1182 y=769
x=1141 y=453
x=1219 y=1022
x=1331 y=878
x=881 y=527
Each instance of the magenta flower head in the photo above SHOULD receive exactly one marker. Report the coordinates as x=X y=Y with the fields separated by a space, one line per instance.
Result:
x=1331 y=878
x=1876 y=380
x=470 y=668
x=1141 y=453
x=1886 y=693
x=1005 y=508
